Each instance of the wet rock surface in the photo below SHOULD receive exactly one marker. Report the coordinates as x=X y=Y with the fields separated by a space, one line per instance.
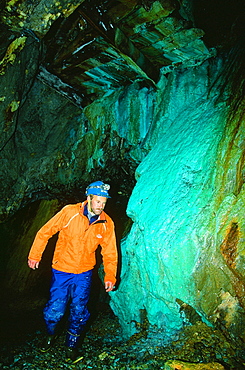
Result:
x=104 y=348
x=68 y=114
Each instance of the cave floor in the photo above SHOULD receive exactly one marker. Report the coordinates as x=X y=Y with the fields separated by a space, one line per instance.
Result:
x=103 y=347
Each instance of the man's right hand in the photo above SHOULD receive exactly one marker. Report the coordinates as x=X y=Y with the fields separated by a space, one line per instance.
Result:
x=33 y=264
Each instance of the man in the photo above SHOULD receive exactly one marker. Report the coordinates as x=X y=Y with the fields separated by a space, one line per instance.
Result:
x=82 y=228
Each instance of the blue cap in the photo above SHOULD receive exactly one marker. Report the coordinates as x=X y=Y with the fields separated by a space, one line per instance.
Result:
x=98 y=188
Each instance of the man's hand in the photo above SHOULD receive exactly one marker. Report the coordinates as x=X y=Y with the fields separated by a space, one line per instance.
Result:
x=109 y=286
x=33 y=264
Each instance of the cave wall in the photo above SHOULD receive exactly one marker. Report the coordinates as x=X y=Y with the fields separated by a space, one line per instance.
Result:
x=17 y=280
x=183 y=258
x=51 y=148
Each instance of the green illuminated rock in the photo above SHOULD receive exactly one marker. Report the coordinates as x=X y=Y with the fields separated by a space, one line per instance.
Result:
x=178 y=254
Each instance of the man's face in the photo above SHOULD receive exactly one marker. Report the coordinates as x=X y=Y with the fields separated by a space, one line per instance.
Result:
x=97 y=204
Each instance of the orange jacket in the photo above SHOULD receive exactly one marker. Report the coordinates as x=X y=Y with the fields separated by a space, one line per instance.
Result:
x=78 y=241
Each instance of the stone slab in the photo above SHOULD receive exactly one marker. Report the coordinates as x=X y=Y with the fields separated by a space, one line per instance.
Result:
x=181 y=365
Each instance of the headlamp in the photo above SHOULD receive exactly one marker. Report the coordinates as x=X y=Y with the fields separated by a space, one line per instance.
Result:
x=98 y=188
x=102 y=186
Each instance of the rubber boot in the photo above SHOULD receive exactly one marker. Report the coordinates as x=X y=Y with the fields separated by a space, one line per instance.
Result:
x=71 y=345
x=71 y=353
x=47 y=343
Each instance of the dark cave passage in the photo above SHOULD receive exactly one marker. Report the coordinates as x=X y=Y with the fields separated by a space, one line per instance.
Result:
x=24 y=291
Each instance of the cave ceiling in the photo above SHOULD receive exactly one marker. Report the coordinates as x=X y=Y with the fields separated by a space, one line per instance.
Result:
x=98 y=46
x=92 y=47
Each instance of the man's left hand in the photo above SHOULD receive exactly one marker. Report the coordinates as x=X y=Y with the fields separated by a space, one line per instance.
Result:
x=109 y=286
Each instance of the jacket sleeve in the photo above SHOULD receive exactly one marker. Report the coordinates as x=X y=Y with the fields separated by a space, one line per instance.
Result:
x=54 y=225
x=109 y=252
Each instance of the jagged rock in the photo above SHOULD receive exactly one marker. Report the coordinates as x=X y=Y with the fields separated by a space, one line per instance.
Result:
x=36 y=17
x=180 y=365
x=177 y=248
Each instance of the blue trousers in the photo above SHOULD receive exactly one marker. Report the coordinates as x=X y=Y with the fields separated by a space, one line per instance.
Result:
x=68 y=287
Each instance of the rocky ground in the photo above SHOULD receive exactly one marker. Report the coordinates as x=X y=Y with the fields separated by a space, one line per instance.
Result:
x=104 y=349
